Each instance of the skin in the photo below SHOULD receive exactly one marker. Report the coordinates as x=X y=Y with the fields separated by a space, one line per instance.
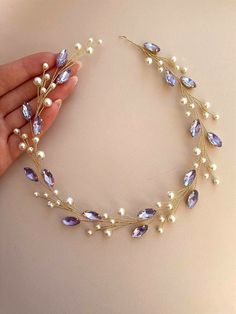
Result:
x=16 y=86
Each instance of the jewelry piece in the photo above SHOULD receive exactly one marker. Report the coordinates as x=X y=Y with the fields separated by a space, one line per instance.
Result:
x=163 y=212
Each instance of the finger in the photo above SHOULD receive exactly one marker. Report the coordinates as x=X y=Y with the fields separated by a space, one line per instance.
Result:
x=22 y=93
x=16 y=73
x=16 y=120
x=48 y=117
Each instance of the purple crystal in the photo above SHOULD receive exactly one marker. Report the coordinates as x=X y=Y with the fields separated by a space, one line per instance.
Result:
x=153 y=48
x=61 y=58
x=188 y=82
x=91 y=215
x=170 y=78
x=70 y=221
x=63 y=77
x=146 y=213
x=192 y=199
x=30 y=174
x=189 y=177
x=37 y=125
x=48 y=177
x=214 y=139
x=195 y=127
x=26 y=111
x=139 y=231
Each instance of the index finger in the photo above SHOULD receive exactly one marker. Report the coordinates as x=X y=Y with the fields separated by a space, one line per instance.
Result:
x=17 y=72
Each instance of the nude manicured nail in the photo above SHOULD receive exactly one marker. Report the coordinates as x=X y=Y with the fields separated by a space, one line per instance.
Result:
x=58 y=102
x=74 y=79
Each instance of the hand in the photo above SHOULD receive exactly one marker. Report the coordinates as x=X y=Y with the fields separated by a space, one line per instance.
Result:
x=16 y=87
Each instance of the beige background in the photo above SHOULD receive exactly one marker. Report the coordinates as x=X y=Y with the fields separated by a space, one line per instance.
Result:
x=121 y=141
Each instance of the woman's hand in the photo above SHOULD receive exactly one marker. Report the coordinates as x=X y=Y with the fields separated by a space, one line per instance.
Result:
x=16 y=87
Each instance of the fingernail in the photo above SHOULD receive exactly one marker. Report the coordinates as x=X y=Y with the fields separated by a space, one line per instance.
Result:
x=58 y=102
x=80 y=64
x=74 y=79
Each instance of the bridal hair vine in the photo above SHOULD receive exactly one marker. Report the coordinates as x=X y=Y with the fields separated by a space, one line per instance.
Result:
x=164 y=211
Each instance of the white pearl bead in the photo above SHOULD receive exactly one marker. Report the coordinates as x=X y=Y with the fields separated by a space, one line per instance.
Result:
x=16 y=131
x=105 y=215
x=160 y=230
x=160 y=69
x=148 y=60
x=112 y=221
x=184 y=101
x=90 y=40
x=37 y=81
x=121 y=211
x=173 y=59
x=171 y=218
x=45 y=195
x=160 y=62
x=196 y=165
x=45 y=66
x=206 y=175
x=56 y=192
x=70 y=200
x=216 y=181
x=43 y=90
x=50 y=204
x=53 y=85
x=47 y=102
x=108 y=232
x=162 y=219
x=89 y=232
x=171 y=194
x=206 y=115
x=213 y=167
x=184 y=70
x=22 y=146
x=197 y=151
x=100 y=42
x=203 y=160
x=169 y=206
x=36 y=194
x=98 y=227
x=78 y=46
x=207 y=105
x=36 y=140
x=89 y=50
x=216 y=117
x=177 y=67
x=192 y=106
x=159 y=204
x=47 y=77
x=188 y=113
x=58 y=202
x=40 y=154
x=24 y=136
x=30 y=150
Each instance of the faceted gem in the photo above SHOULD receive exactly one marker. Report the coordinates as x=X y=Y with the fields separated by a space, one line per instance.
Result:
x=30 y=174
x=48 y=178
x=195 y=127
x=189 y=177
x=70 y=221
x=91 y=215
x=26 y=111
x=192 y=199
x=188 y=82
x=37 y=125
x=170 y=78
x=63 y=77
x=61 y=58
x=139 y=231
x=153 y=48
x=146 y=213
x=214 y=139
